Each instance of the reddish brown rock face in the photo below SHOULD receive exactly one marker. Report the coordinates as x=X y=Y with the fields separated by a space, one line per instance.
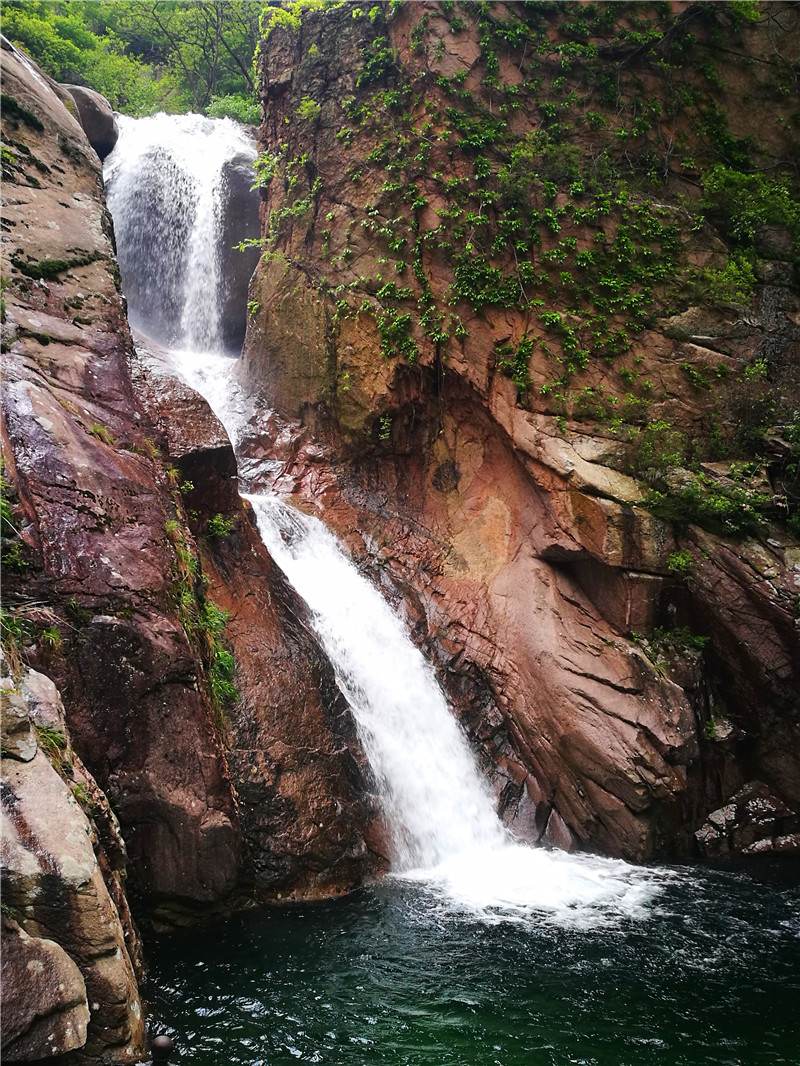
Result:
x=93 y=506
x=511 y=529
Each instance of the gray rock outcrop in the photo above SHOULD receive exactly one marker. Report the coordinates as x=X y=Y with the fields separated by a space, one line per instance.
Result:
x=241 y=222
x=69 y=979
x=97 y=118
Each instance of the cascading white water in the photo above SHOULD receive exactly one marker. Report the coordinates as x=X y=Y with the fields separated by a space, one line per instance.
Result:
x=445 y=830
x=434 y=797
x=446 y=833
x=165 y=183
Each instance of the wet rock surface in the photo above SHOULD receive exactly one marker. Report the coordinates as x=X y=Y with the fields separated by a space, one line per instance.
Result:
x=241 y=223
x=92 y=501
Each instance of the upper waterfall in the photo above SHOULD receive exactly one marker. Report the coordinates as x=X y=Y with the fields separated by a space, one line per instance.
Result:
x=178 y=187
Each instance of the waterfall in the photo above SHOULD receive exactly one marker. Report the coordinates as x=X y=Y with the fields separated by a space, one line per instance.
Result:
x=436 y=802
x=165 y=185
x=445 y=832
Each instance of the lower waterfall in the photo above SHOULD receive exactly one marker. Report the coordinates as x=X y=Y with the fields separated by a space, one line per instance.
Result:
x=436 y=802
x=439 y=808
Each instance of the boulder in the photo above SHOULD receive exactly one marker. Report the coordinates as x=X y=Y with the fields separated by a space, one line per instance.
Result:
x=45 y=1010
x=97 y=118
x=54 y=886
x=752 y=822
x=18 y=741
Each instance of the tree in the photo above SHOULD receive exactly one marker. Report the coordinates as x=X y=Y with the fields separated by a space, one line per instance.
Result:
x=207 y=45
x=146 y=55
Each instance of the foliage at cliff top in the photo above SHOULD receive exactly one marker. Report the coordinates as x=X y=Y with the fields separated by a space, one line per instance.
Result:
x=174 y=55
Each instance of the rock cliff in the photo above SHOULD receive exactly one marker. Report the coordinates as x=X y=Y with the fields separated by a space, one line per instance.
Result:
x=528 y=320
x=89 y=506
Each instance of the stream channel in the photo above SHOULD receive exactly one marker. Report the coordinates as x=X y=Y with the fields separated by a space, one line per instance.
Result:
x=476 y=949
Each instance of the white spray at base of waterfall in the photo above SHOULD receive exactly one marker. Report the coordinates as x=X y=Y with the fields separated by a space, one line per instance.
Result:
x=446 y=835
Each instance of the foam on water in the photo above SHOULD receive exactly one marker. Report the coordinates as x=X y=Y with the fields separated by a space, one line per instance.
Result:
x=212 y=375
x=516 y=883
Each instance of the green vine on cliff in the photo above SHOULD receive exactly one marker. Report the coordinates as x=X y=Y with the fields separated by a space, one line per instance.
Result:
x=538 y=184
x=203 y=621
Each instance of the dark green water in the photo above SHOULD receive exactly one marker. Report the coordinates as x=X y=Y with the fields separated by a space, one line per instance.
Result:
x=711 y=975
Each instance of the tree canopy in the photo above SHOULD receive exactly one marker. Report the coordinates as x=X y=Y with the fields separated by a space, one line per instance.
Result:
x=147 y=55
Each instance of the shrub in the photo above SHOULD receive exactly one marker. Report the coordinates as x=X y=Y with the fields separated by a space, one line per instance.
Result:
x=732 y=510
x=663 y=646
x=220 y=676
x=515 y=363
x=309 y=110
x=734 y=283
x=680 y=562
x=102 y=433
x=752 y=402
x=658 y=449
x=237 y=106
x=53 y=743
x=743 y=203
x=51 y=639
x=219 y=526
